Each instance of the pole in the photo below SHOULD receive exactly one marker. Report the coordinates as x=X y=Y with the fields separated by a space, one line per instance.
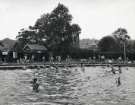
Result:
x=125 y=59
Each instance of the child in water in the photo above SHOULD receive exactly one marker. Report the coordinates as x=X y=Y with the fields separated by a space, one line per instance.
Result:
x=35 y=85
x=119 y=70
x=112 y=70
x=118 y=81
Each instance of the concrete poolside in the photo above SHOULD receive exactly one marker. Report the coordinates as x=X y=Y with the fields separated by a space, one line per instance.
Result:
x=13 y=66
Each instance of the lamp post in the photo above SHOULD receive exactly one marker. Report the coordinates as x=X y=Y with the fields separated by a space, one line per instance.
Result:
x=124 y=49
x=124 y=38
x=94 y=57
x=122 y=35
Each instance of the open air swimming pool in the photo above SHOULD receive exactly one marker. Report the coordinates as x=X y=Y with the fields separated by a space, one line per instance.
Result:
x=68 y=86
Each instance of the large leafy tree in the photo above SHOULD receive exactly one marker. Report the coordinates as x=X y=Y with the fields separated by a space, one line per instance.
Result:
x=55 y=30
x=27 y=36
x=121 y=33
x=122 y=37
x=108 y=44
x=114 y=42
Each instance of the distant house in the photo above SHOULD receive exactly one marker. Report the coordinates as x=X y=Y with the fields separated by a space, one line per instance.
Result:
x=35 y=52
x=35 y=48
x=7 y=49
x=11 y=51
x=90 y=44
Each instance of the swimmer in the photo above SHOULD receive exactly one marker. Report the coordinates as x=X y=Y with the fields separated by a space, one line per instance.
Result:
x=112 y=69
x=82 y=68
x=35 y=85
x=120 y=71
x=118 y=81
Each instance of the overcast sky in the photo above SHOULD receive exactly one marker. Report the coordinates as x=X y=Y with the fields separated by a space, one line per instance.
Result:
x=97 y=18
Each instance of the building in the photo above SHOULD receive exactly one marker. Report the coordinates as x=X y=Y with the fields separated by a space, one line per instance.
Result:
x=7 y=53
x=90 y=44
x=35 y=52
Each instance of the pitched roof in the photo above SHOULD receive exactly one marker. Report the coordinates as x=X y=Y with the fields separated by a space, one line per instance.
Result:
x=88 y=43
x=35 y=47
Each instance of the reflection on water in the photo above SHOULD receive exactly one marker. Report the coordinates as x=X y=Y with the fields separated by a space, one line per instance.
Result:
x=68 y=86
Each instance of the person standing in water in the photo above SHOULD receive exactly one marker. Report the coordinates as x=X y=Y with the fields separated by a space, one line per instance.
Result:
x=35 y=85
x=82 y=67
x=112 y=69
x=119 y=69
x=119 y=81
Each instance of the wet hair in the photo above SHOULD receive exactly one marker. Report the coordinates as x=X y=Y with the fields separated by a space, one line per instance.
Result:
x=35 y=80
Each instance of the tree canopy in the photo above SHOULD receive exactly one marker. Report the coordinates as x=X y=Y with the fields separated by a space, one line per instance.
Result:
x=55 y=30
x=108 y=44
x=114 y=42
x=121 y=34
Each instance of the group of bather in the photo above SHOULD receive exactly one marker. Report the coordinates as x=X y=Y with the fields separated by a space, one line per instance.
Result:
x=113 y=70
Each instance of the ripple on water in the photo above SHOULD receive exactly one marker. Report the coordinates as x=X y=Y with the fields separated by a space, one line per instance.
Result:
x=68 y=86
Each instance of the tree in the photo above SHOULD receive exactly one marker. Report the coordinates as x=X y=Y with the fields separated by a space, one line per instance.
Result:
x=76 y=30
x=117 y=42
x=27 y=36
x=57 y=29
x=108 y=44
x=54 y=30
x=122 y=35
